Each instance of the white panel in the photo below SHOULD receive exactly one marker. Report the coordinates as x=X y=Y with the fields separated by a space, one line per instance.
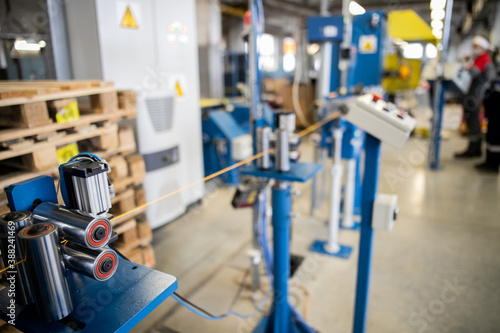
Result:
x=127 y=54
x=179 y=58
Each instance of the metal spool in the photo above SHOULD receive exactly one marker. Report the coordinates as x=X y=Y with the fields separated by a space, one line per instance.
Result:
x=13 y=252
x=46 y=272
x=98 y=264
x=86 y=230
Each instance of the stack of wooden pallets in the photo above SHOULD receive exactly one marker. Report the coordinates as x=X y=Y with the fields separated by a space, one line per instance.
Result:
x=44 y=123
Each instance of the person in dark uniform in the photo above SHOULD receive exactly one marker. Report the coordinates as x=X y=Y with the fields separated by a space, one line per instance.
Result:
x=492 y=112
x=482 y=72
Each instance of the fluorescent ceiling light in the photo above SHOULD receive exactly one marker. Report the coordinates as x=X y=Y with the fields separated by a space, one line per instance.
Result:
x=438 y=33
x=437 y=14
x=42 y=43
x=355 y=8
x=431 y=51
x=437 y=24
x=438 y=4
x=23 y=45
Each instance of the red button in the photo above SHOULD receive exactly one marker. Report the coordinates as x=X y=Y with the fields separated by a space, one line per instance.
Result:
x=376 y=97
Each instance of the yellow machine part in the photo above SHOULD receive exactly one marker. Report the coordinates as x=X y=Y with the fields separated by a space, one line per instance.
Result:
x=409 y=26
x=403 y=74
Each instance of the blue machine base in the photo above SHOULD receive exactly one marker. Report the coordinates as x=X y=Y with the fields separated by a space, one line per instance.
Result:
x=115 y=305
x=266 y=326
x=319 y=246
x=355 y=226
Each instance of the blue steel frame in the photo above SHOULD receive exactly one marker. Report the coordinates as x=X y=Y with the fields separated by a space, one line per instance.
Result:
x=280 y=319
x=370 y=188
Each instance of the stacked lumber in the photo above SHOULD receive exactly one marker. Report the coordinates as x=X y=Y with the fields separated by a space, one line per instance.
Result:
x=44 y=123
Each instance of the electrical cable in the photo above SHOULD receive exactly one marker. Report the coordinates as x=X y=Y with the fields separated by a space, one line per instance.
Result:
x=207 y=315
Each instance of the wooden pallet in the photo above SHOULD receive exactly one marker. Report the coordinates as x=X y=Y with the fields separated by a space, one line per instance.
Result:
x=33 y=104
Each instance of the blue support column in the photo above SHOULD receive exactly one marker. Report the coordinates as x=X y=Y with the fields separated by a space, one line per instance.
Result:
x=370 y=187
x=437 y=124
x=282 y=204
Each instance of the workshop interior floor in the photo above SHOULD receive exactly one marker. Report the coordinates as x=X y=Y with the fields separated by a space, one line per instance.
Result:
x=437 y=271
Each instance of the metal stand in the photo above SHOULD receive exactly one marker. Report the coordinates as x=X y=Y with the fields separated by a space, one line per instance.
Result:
x=370 y=187
x=439 y=90
x=332 y=246
x=280 y=319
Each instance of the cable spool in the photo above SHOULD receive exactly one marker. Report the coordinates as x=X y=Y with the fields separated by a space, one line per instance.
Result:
x=100 y=264
x=10 y=224
x=86 y=230
x=46 y=272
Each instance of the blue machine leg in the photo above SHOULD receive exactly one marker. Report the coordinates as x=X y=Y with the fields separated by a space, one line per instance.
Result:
x=437 y=124
x=281 y=201
x=370 y=185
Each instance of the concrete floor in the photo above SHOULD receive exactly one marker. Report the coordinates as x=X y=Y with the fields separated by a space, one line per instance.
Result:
x=437 y=271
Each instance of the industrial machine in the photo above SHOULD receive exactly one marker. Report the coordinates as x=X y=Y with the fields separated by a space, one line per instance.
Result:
x=162 y=67
x=279 y=164
x=59 y=258
x=345 y=41
x=226 y=137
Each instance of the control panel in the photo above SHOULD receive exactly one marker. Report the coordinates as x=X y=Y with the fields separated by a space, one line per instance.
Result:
x=381 y=119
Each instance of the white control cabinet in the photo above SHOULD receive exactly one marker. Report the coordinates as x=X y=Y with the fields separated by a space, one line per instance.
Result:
x=149 y=46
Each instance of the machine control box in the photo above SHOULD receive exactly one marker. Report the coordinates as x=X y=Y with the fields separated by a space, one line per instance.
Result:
x=385 y=211
x=381 y=119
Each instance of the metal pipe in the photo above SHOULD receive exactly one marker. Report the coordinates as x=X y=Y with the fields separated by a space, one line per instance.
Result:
x=332 y=245
x=86 y=230
x=263 y=135
x=13 y=251
x=282 y=154
x=98 y=264
x=350 y=192
x=439 y=91
x=46 y=272
x=370 y=188
x=344 y=64
x=282 y=203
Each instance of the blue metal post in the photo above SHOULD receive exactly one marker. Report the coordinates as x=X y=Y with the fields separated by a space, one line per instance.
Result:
x=281 y=202
x=370 y=185
x=437 y=124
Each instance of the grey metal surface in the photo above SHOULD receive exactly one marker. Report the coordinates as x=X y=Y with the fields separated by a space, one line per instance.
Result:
x=92 y=193
x=98 y=264
x=10 y=224
x=161 y=159
x=263 y=135
x=282 y=154
x=86 y=230
x=46 y=271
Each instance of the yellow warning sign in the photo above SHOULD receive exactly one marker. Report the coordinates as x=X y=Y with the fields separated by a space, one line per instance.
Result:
x=178 y=89
x=128 y=20
x=368 y=44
